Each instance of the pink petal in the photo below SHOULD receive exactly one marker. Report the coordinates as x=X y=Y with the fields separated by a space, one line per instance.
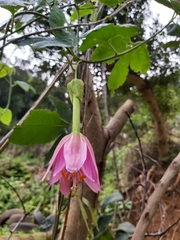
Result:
x=59 y=146
x=64 y=186
x=59 y=163
x=93 y=185
x=75 y=151
x=90 y=170
x=54 y=178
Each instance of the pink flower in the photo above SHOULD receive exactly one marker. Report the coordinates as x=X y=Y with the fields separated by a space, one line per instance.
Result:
x=73 y=161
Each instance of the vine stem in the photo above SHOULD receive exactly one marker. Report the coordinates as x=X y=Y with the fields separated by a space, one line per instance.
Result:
x=66 y=217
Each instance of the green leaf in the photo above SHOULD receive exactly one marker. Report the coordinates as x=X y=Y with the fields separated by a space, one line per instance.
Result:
x=125 y=227
x=103 y=223
x=108 y=32
x=116 y=196
x=41 y=126
x=25 y=86
x=83 y=211
x=22 y=85
x=5 y=116
x=92 y=211
x=140 y=60
x=112 y=48
x=63 y=109
x=12 y=9
x=119 y=73
x=17 y=2
x=85 y=9
x=4 y=70
x=110 y=3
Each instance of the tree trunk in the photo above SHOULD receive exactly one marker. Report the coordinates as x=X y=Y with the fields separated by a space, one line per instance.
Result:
x=146 y=91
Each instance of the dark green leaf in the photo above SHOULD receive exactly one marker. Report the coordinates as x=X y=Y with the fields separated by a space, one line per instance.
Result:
x=110 y=3
x=122 y=235
x=119 y=73
x=125 y=227
x=176 y=6
x=166 y=3
x=17 y=2
x=172 y=44
x=42 y=42
x=116 y=196
x=103 y=223
x=62 y=108
x=41 y=126
x=106 y=235
x=107 y=32
x=56 y=17
x=173 y=30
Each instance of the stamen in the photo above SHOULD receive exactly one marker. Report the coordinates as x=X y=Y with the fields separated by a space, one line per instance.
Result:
x=74 y=174
x=81 y=178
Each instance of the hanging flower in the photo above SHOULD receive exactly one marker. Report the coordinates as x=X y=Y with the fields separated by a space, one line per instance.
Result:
x=73 y=161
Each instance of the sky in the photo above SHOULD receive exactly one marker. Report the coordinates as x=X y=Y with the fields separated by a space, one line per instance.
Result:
x=164 y=13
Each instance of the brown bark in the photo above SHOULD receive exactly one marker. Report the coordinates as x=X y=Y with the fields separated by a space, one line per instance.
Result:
x=154 y=200
x=101 y=141
x=144 y=88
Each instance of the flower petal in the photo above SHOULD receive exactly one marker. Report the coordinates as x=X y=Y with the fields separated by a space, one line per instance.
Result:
x=53 y=159
x=54 y=178
x=90 y=170
x=64 y=186
x=75 y=151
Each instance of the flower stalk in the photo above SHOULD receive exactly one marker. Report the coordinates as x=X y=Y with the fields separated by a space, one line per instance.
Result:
x=76 y=115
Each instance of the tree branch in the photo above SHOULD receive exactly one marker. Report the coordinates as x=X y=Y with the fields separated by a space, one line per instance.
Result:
x=117 y=122
x=144 y=88
x=154 y=199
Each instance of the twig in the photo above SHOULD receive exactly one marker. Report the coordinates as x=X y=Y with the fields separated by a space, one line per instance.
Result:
x=15 y=227
x=143 y=161
x=164 y=232
x=17 y=194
